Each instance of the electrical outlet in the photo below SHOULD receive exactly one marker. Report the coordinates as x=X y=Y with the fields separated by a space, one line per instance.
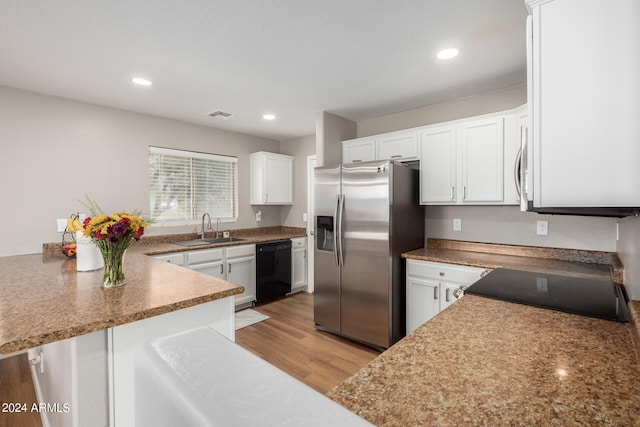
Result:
x=305 y=217
x=62 y=224
x=259 y=216
x=542 y=228
x=457 y=224
x=225 y=234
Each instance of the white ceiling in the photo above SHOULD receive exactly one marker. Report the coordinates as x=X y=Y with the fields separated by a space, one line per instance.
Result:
x=359 y=59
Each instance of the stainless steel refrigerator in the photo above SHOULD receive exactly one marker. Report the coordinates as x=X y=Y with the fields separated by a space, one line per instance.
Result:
x=366 y=215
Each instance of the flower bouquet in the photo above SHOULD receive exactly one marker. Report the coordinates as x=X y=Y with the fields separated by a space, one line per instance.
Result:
x=112 y=235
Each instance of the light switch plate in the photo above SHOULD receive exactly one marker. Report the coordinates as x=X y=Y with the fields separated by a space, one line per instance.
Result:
x=62 y=224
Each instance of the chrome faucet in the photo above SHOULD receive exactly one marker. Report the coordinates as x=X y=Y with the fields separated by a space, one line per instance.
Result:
x=217 y=226
x=209 y=227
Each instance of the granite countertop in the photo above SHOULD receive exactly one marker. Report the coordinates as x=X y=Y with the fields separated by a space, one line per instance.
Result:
x=488 y=362
x=44 y=299
x=578 y=263
x=156 y=245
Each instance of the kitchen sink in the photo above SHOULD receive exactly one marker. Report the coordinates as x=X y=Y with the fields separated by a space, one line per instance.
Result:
x=202 y=242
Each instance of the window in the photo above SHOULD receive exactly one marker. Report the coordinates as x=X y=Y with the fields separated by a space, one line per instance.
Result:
x=183 y=185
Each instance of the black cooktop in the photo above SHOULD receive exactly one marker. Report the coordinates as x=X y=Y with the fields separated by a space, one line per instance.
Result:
x=585 y=296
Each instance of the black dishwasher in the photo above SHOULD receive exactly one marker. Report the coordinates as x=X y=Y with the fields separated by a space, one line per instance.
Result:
x=273 y=270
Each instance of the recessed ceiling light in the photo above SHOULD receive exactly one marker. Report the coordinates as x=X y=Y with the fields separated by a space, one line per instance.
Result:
x=448 y=53
x=140 y=81
x=269 y=117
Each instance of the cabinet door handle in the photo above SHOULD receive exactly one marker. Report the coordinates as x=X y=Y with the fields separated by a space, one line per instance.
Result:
x=221 y=269
x=396 y=156
x=266 y=197
x=229 y=269
x=355 y=160
x=448 y=295
x=453 y=190
x=435 y=293
x=516 y=172
x=464 y=192
x=442 y=274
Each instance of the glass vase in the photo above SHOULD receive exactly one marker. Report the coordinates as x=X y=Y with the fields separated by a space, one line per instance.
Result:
x=113 y=256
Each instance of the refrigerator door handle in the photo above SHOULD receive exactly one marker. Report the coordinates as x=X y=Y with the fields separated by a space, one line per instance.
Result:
x=336 y=233
x=339 y=228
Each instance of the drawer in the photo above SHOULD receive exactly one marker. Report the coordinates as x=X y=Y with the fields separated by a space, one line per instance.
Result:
x=177 y=259
x=205 y=255
x=238 y=251
x=445 y=272
x=298 y=242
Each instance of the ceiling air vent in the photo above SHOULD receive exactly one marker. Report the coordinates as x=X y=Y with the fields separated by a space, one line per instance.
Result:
x=221 y=115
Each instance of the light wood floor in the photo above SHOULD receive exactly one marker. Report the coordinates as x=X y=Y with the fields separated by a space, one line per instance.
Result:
x=16 y=386
x=289 y=340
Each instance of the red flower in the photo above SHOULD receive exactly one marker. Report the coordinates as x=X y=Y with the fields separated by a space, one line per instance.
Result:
x=86 y=221
x=99 y=236
x=139 y=233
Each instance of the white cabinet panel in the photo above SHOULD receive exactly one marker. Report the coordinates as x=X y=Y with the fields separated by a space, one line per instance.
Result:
x=438 y=165
x=175 y=258
x=482 y=161
x=423 y=301
x=585 y=107
x=358 y=150
x=470 y=161
x=271 y=179
x=235 y=264
x=398 y=146
x=431 y=286
x=298 y=263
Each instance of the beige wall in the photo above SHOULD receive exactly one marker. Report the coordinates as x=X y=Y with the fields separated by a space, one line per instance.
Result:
x=300 y=149
x=490 y=102
x=508 y=225
x=331 y=130
x=629 y=252
x=498 y=224
x=53 y=151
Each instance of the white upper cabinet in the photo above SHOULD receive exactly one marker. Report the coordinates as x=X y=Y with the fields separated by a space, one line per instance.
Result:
x=271 y=179
x=438 y=165
x=482 y=161
x=401 y=146
x=358 y=150
x=470 y=161
x=584 y=87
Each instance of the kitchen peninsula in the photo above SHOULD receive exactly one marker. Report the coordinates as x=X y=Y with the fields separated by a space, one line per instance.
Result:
x=49 y=308
x=83 y=338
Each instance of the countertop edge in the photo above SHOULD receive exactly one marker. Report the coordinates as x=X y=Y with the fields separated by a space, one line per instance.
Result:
x=74 y=331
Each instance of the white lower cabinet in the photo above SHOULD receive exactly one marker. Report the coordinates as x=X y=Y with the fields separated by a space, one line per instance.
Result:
x=298 y=263
x=431 y=286
x=235 y=264
x=174 y=258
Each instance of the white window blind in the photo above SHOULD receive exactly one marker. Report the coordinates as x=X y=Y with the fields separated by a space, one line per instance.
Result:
x=183 y=185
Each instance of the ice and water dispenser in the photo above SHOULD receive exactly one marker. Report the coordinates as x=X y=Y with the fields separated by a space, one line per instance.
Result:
x=324 y=233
